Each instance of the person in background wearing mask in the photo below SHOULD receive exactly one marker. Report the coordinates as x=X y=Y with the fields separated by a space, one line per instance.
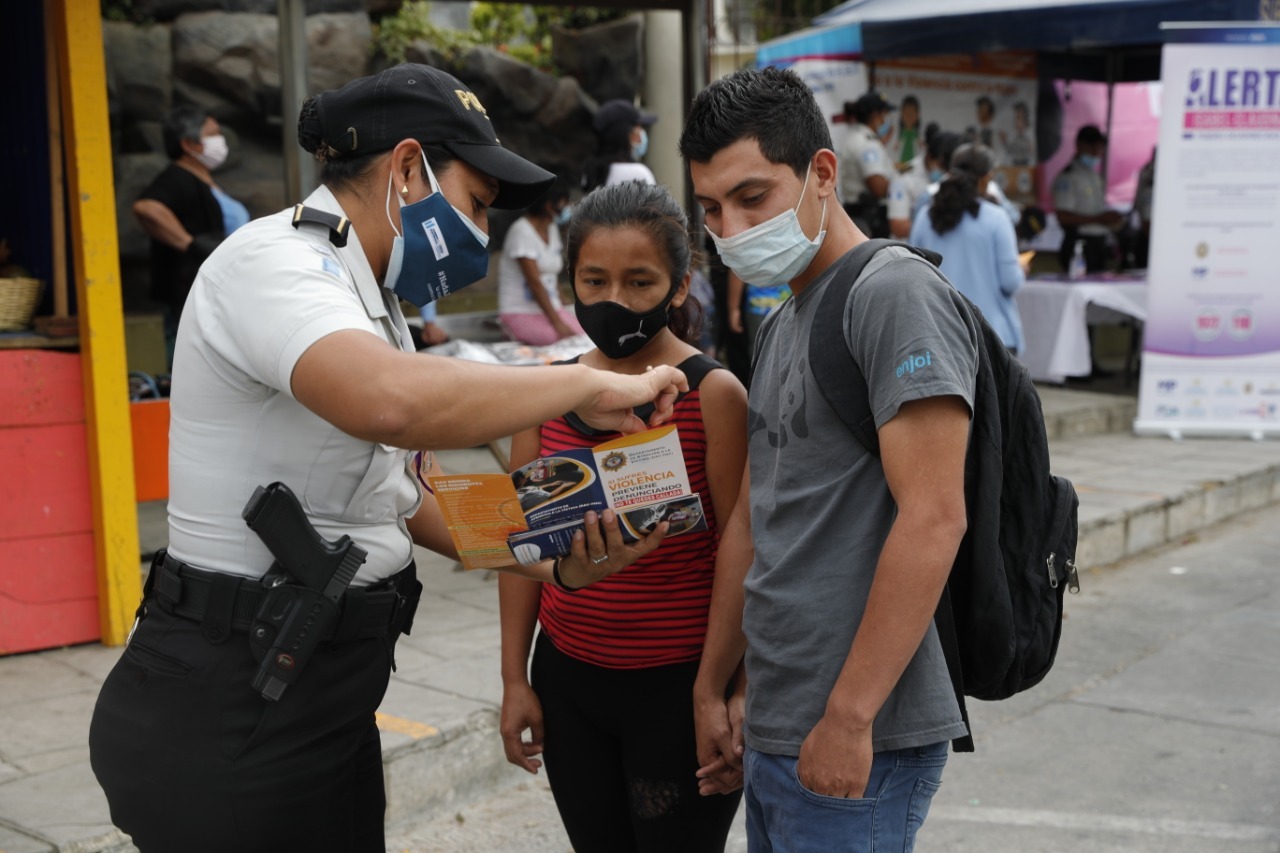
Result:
x=295 y=366
x=613 y=666
x=938 y=159
x=1080 y=201
x=866 y=167
x=622 y=140
x=529 y=274
x=184 y=211
x=832 y=563
x=976 y=240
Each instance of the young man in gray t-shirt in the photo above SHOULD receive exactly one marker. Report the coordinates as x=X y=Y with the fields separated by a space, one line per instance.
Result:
x=831 y=565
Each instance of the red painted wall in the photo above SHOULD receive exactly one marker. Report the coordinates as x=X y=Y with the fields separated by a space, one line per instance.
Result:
x=48 y=581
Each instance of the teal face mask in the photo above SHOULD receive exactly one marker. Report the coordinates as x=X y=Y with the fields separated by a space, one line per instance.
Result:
x=1090 y=161
x=886 y=127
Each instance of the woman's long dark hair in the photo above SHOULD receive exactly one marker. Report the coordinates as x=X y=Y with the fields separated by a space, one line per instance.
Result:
x=649 y=207
x=958 y=193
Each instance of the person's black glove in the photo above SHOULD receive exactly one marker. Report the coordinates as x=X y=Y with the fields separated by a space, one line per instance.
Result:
x=202 y=246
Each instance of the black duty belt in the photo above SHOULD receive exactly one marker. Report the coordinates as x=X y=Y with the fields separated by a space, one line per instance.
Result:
x=224 y=603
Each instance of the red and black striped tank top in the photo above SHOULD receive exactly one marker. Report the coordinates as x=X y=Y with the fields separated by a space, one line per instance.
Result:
x=653 y=612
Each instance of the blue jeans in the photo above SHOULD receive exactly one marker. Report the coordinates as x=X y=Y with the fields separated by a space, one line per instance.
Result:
x=785 y=817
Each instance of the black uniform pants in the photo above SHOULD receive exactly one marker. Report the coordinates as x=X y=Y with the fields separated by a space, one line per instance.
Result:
x=192 y=759
x=621 y=756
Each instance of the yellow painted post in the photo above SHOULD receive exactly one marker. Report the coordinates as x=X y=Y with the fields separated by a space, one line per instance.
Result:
x=91 y=192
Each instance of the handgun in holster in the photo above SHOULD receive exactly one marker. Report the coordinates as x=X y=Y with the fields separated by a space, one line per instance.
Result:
x=303 y=587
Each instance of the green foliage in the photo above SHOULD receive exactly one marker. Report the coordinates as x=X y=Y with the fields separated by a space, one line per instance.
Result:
x=523 y=32
x=122 y=10
x=394 y=33
x=575 y=17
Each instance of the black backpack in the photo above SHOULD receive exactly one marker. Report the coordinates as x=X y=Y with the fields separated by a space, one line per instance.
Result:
x=1000 y=616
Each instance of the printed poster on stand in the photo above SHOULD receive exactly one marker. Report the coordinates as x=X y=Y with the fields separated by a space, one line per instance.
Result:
x=1211 y=354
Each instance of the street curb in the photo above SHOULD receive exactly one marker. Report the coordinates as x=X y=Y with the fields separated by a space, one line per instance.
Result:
x=1172 y=519
x=463 y=763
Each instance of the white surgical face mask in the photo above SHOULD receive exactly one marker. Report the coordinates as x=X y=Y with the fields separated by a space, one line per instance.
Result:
x=772 y=252
x=214 y=153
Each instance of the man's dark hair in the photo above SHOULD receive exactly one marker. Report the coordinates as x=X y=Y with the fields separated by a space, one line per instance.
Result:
x=770 y=105
x=182 y=122
x=984 y=101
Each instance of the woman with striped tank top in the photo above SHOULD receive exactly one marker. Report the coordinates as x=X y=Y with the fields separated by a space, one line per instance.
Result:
x=609 y=706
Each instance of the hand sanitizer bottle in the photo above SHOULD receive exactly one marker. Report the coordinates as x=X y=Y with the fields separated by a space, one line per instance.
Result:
x=1077 y=268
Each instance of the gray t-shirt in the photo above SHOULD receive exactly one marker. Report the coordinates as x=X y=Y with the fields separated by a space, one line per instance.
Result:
x=821 y=509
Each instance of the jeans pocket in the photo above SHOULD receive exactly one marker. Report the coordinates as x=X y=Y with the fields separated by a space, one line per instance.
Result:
x=918 y=808
x=828 y=801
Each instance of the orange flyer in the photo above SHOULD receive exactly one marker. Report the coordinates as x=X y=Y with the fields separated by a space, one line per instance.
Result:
x=481 y=511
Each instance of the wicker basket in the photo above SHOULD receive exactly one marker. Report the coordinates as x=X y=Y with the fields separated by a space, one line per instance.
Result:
x=18 y=300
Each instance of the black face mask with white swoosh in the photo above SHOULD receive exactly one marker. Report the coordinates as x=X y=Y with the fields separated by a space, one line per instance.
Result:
x=617 y=330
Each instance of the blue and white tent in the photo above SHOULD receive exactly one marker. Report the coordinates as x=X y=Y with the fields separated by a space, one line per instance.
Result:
x=1081 y=39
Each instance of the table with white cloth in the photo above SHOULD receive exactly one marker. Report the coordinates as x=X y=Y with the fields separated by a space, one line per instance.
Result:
x=1056 y=315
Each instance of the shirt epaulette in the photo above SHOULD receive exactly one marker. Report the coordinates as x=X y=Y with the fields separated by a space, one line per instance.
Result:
x=338 y=225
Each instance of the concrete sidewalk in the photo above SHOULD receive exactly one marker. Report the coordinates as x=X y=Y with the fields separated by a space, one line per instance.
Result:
x=439 y=720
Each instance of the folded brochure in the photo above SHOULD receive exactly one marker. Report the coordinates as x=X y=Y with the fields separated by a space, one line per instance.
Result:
x=532 y=514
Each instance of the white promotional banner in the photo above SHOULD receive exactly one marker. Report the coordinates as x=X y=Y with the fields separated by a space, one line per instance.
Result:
x=989 y=98
x=1211 y=359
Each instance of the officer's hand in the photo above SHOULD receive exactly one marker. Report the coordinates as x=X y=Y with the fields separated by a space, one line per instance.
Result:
x=610 y=407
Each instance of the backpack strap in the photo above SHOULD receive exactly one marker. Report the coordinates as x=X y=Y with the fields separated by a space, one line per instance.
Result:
x=837 y=373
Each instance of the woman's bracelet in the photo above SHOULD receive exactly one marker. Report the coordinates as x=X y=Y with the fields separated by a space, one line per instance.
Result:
x=555 y=574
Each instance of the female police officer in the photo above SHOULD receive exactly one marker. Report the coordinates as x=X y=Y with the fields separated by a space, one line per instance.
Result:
x=294 y=364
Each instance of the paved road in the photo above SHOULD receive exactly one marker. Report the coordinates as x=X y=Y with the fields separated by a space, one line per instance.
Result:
x=1158 y=729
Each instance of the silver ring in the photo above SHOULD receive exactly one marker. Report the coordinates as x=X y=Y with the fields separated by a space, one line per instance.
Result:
x=603 y=558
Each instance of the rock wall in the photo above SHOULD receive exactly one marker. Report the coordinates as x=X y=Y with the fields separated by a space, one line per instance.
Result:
x=222 y=55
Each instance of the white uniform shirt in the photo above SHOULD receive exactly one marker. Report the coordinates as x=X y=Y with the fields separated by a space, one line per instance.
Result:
x=262 y=298
x=1079 y=189
x=864 y=157
x=523 y=241
x=906 y=187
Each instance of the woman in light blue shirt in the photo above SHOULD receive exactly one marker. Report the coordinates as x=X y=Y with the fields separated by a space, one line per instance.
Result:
x=976 y=240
